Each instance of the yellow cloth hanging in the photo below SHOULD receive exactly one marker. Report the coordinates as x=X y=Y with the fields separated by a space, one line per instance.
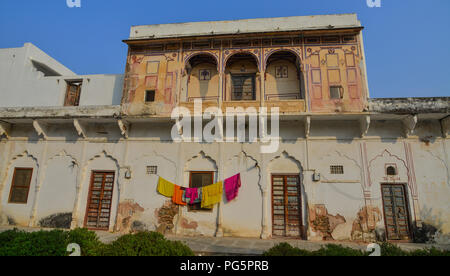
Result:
x=211 y=195
x=165 y=187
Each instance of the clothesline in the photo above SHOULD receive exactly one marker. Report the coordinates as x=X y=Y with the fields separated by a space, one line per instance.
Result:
x=208 y=195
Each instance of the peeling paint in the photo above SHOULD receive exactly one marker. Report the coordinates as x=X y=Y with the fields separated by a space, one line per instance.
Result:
x=166 y=215
x=128 y=211
x=323 y=223
x=365 y=224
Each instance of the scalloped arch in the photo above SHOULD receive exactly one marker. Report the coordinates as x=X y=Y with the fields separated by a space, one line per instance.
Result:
x=281 y=50
x=201 y=154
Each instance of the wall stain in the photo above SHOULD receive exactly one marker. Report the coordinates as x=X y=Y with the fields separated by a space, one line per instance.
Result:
x=186 y=225
x=127 y=212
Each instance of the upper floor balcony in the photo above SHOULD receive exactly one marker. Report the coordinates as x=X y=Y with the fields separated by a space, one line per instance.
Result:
x=317 y=69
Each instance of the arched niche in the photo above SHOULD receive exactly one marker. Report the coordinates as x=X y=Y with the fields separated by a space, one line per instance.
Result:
x=57 y=194
x=242 y=77
x=100 y=162
x=283 y=76
x=19 y=213
x=201 y=78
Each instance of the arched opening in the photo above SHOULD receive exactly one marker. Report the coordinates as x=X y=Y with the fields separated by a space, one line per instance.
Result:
x=283 y=76
x=202 y=78
x=242 y=78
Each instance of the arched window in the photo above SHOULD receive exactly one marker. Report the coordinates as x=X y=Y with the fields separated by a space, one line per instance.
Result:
x=391 y=170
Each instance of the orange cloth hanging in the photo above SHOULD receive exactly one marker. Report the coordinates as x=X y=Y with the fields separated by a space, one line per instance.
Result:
x=177 y=197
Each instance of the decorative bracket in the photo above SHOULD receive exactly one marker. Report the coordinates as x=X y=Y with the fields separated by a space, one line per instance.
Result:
x=445 y=125
x=41 y=128
x=364 y=124
x=409 y=124
x=124 y=127
x=80 y=127
x=5 y=129
x=307 y=126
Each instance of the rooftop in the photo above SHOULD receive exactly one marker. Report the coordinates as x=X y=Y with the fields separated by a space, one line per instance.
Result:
x=259 y=25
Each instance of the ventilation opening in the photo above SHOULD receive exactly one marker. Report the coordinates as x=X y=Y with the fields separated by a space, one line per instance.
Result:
x=337 y=169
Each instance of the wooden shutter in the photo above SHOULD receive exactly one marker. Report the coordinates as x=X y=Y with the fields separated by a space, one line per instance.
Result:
x=20 y=186
x=73 y=94
x=243 y=87
x=286 y=206
x=395 y=212
x=98 y=211
x=198 y=180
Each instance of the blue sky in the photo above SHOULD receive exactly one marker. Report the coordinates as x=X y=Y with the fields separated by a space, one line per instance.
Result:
x=406 y=41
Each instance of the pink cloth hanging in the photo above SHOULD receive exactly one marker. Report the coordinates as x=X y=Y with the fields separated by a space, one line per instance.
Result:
x=232 y=186
x=192 y=195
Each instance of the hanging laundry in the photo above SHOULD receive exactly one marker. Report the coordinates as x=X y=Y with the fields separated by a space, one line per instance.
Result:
x=232 y=186
x=177 y=197
x=191 y=195
x=211 y=195
x=165 y=187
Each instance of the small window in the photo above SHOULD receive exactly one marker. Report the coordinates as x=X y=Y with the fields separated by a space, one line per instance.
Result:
x=152 y=169
x=337 y=169
x=20 y=186
x=391 y=171
x=73 y=93
x=336 y=92
x=243 y=87
x=150 y=96
x=281 y=72
x=198 y=180
x=204 y=74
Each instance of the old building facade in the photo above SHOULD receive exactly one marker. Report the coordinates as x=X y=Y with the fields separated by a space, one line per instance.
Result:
x=87 y=151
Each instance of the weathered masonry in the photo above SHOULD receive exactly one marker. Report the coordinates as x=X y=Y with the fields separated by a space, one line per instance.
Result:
x=87 y=151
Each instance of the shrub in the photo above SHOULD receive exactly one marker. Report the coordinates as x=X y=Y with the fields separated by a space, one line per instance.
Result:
x=146 y=244
x=41 y=243
x=387 y=249
x=88 y=241
x=285 y=249
x=338 y=250
x=54 y=243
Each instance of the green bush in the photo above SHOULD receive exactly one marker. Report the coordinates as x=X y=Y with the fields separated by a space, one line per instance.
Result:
x=87 y=240
x=338 y=250
x=146 y=244
x=54 y=243
x=41 y=243
x=285 y=249
x=387 y=249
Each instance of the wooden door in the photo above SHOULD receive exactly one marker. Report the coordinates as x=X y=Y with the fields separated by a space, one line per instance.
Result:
x=98 y=210
x=396 y=215
x=286 y=206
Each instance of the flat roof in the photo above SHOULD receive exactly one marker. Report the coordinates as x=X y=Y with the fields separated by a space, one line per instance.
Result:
x=259 y=25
